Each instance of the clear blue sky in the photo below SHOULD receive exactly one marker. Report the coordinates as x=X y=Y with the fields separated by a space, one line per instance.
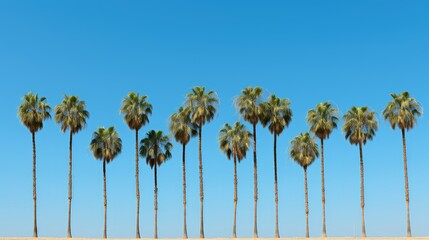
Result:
x=350 y=53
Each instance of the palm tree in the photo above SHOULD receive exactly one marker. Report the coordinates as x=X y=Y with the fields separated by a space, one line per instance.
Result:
x=155 y=147
x=235 y=142
x=32 y=112
x=277 y=115
x=359 y=126
x=322 y=120
x=136 y=112
x=105 y=145
x=403 y=112
x=182 y=130
x=202 y=105
x=71 y=113
x=248 y=104
x=304 y=151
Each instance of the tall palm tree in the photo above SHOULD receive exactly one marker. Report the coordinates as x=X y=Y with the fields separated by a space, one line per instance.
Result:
x=182 y=130
x=155 y=147
x=234 y=142
x=403 y=112
x=277 y=115
x=248 y=104
x=304 y=151
x=136 y=112
x=32 y=112
x=105 y=145
x=322 y=120
x=359 y=126
x=202 y=105
x=71 y=113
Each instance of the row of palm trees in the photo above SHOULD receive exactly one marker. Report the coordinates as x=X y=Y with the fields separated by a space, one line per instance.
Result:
x=200 y=106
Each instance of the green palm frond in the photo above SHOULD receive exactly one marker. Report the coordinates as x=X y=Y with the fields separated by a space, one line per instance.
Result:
x=106 y=144
x=402 y=111
x=71 y=113
x=322 y=120
x=248 y=104
x=33 y=111
x=360 y=125
x=234 y=141
x=304 y=150
x=181 y=125
x=203 y=106
x=276 y=114
x=156 y=148
x=136 y=110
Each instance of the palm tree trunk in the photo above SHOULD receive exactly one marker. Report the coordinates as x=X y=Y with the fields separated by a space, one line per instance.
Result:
x=69 y=235
x=255 y=186
x=33 y=135
x=407 y=193
x=137 y=187
x=362 y=190
x=307 y=232
x=234 y=226
x=185 y=230
x=155 y=202
x=322 y=170
x=276 y=191
x=200 y=156
x=105 y=200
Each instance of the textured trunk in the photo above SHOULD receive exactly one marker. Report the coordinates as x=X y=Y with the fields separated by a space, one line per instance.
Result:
x=105 y=199
x=255 y=186
x=407 y=193
x=362 y=190
x=234 y=226
x=185 y=230
x=33 y=136
x=137 y=187
x=155 y=203
x=322 y=170
x=276 y=191
x=307 y=232
x=69 y=235
x=200 y=157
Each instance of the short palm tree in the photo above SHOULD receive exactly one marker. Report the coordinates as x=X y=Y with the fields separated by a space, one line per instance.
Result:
x=71 y=113
x=136 y=112
x=235 y=142
x=105 y=145
x=155 y=147
x=277 y=115
x=402 y=112
x=248 y=104
x=182 y=130
x=304 y=151
x=32 y=112
x=202 y=105
x=360 y=125
x=322 y=120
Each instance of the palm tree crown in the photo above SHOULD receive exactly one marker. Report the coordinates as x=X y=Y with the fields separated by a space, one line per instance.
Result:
x=71 y=113
x=181 y=126
x=276 y=114
x=156 y=148
x=136 y=110
x=402 y=111
x=359 y=125
x=106 y=144
x=234 y=141
x=304 y=150
x=33 y=111
x=248 y=104
x=202 y=105
x=322 y=120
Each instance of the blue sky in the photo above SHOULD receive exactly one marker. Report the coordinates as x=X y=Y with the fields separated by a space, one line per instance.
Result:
x=350 y=53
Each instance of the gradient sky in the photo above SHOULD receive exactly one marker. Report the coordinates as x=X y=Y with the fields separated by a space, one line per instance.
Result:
x=350 y=53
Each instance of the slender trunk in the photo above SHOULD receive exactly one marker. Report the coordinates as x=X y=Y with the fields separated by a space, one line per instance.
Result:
x=322 y=170
x=200 y=156
x=137 y=187
x=234 y=226
x=33 y=135
x=407 y=193
x=155 y=202
x=255 y=186
x=276 y=191
x=69 y=235
x=362 y=190
x=105 y=199
x=185 y=230
x=307 y=232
